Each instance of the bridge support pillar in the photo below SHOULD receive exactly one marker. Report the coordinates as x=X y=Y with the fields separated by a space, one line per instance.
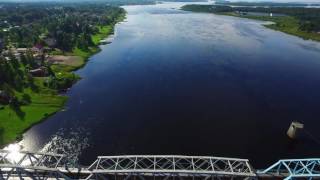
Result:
x=294 y=129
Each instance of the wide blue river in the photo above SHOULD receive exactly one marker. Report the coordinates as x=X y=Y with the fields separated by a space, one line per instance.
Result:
x=175 y=82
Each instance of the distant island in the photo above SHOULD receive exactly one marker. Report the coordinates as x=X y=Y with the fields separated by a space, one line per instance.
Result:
x=287 y=17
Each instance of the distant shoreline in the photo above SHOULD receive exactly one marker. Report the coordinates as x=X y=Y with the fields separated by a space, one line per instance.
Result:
x=287 y=24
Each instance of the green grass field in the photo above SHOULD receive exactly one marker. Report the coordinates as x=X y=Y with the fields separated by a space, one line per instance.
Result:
x=43 y=103
x=104 y=31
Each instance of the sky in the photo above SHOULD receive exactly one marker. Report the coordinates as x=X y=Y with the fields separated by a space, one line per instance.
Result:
x=303 y=1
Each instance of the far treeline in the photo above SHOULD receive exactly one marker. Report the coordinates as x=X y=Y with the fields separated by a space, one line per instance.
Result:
x=300 y=21
x=267 y=4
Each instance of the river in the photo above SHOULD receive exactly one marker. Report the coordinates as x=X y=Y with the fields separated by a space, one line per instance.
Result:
x=175 y=82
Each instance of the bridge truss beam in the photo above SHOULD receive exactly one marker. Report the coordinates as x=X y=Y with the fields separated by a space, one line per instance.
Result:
x=167 y=166
x=30 y=164
x=294 y=168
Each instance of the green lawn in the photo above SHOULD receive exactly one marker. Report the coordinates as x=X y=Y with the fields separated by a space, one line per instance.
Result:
x=104 y=31
x=43 y=103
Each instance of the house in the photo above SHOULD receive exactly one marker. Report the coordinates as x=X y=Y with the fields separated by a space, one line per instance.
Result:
x=37 y=49
x=21 y=50
x=17 y=56
x=39 y=72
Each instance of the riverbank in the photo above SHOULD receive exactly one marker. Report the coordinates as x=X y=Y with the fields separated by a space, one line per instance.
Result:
x=44 y=101
x=285 y=23
x=104 y=32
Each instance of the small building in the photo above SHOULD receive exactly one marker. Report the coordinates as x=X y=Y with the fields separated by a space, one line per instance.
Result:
x=21 y=50
x=38 y=48
x=17 y=56
x=7 y=58
x=241 y=13
x=39 y=72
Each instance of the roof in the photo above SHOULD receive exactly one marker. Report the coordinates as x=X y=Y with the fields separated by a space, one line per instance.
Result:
x=22 y=49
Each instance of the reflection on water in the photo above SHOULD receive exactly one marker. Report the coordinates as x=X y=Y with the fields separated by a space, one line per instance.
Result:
x=70 y=142
x=14 y=156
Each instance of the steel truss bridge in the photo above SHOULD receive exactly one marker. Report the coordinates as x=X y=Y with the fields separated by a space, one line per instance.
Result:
x=36 y=165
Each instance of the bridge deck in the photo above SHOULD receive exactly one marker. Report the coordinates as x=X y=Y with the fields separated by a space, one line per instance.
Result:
x=48 y=165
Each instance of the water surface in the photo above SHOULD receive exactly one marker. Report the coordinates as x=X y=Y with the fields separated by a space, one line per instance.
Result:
x=175 y=82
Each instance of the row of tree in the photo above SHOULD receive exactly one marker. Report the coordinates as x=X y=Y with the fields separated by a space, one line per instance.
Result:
x=69 y=25
x=15 y=76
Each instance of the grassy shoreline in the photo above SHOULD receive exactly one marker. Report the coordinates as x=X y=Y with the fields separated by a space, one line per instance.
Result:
x=104 y=32
x=45 y=101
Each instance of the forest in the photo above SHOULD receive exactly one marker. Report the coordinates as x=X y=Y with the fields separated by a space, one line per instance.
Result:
x=267 y=4
x=24 y=25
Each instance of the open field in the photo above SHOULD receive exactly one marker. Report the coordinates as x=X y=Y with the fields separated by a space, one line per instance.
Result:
x=65 y=63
